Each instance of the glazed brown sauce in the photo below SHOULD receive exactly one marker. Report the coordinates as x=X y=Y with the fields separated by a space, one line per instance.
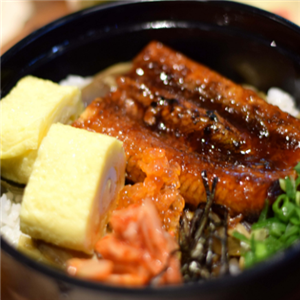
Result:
x=266 y=138
x=168 y=101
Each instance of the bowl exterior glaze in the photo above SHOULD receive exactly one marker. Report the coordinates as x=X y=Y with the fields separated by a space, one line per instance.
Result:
x=241 y=42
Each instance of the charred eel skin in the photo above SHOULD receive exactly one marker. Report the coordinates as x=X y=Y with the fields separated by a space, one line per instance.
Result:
x=204 y=122
x=182 y=119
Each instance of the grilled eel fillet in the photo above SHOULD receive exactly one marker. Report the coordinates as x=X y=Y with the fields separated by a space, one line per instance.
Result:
x=241 y=189
x=204 y=122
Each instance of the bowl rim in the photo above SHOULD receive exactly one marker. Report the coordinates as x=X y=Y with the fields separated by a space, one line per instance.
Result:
x=263 y=268
x=116 y=3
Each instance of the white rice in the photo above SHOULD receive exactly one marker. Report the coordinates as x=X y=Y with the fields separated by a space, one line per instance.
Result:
x=283 y=100
x=10 y=217
x=75 y=80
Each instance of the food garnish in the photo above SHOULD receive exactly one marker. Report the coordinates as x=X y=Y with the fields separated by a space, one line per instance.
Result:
x=137 y=251
x=278 y=226
x=27 y=113
x=73 y=187
x=199 y=233
x=161 y=185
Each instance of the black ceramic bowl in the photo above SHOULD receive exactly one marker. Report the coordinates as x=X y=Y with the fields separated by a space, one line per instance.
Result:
x=246 y=44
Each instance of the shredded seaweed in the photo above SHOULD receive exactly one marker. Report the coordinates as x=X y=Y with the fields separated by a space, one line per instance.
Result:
x=199 y=230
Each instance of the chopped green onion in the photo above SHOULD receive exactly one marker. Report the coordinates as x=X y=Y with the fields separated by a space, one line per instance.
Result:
x=277 y=229
x=273 y=245
x=297 y=199
x=266 y=223
x=297 y=168
x=283 y=208
x=261 y=251
x=292 y=239
x=260 y=234
x=290 y=188
x=241 y=237
x=277 y=232
x=249 y=259
x=290 y=230
x=295 y=219
x=264 y=213
x=282 y=184
x=297 y=182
